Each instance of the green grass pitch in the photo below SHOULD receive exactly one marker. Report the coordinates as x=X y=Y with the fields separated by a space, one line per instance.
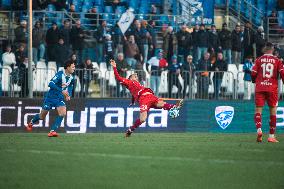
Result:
x=146 y=160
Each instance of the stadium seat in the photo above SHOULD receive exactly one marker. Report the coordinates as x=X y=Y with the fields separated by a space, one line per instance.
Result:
x=98 y=2
x=164 y=83
x=281 y=18
x=40 y=75
x=41 y=65
x=120 y=10
x=271 y=5
x=6 y=4
x=52 y=65
x=108 y=9
x=49 y=75
x=6 y=71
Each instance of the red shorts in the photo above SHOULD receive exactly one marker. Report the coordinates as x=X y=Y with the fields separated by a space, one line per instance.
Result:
x=147 y=101
x=270 y=97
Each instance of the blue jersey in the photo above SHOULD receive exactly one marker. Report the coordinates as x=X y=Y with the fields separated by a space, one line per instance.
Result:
x=59 y=83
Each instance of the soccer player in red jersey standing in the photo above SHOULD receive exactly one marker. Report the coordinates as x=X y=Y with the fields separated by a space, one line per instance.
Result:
x=144 y=96
x=265 y=75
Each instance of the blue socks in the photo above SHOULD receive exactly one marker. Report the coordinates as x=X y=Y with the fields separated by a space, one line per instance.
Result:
x=57 y=123
x=35 y=119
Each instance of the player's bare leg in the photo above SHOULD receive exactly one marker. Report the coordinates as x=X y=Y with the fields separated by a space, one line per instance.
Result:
x=272 y=124
x=138 y=122
x=36 y=118
x=61 y=114
x=258 y=122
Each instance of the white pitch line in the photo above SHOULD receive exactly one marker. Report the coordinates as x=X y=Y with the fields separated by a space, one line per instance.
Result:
x=158 y=158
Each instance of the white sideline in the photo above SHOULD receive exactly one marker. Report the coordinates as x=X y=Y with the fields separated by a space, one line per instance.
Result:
x=158 y=158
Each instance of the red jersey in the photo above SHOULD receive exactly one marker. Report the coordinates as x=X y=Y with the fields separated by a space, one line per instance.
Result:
x=265 y=73
x=135 y=88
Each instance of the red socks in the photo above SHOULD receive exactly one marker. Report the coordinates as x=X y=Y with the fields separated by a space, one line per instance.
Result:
x=136 y=124
x=257 y=120
x=272 y=124
x=168 y=106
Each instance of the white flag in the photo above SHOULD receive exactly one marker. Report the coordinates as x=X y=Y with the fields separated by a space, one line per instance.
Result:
x=125 y=20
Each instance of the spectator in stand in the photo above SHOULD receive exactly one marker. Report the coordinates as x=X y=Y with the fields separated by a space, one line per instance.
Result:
x=100 y=36
x=60 y=5
x=153 y=9
x=248 y=40
x=279 y=52
x=194 y=43
x=203 y=67
x=21 y=34
x=8 y=57
x=73 y=57
x=85 y=76
x=77 y=40
x=202 y=41
x=52 y=38
x=122 y=68
x=131 y=50
x=259 y=41
x=157 y=64
x=184 y=42
x=273 y=23
x=93 y=16
x=115 y=3
x=247 y=68
x=139 y=69
x=23 y=77
x=38 y=42
x=22 y=64
x=242 y=41
x=169 y=43
x=73 y=14
x=62 y=53
x=219 y=67
x=138 y=34
x=109 y=50
x=21 y=55
x=237 y=46
x=187 y=74
x=64 y=33
x=173 y=75
x=117 y=39
x=145 y=40
x=153 y=37
x=214 y=42
x=226 y=43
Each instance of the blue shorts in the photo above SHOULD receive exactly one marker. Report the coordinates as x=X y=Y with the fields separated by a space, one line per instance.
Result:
x=49 y=103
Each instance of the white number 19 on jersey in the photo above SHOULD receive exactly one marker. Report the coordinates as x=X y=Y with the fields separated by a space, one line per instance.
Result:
x=267 y=69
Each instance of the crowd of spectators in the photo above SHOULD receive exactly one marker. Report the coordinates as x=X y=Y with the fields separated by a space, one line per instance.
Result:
x=182 y=52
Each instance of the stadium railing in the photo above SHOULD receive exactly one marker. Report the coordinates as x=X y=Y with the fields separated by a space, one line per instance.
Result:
x=275 y=33
x=204 y=85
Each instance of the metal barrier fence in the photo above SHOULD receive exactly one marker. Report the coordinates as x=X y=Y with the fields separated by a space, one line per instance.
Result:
x=89 y=83
x=213 y=84
x=94 y=83
x=15 y=84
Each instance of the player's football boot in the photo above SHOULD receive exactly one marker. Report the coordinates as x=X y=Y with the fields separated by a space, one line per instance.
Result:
x=128 y=133
x=179 y=104
x=272 y=139
x=29 y=127
x=259 y=137
x=52 y=134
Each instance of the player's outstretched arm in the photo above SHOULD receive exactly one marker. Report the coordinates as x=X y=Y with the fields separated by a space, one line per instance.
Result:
x=116 y=74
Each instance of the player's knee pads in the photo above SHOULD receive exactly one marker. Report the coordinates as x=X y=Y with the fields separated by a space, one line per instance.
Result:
x=272 y=122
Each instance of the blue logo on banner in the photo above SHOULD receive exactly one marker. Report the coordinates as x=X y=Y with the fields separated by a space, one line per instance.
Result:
x=224 y=116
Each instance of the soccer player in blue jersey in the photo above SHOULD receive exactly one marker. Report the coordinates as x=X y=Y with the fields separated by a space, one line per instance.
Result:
x=61 y=87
